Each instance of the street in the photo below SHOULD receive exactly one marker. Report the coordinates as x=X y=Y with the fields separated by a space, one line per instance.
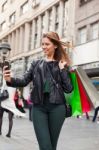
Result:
x=77 y=134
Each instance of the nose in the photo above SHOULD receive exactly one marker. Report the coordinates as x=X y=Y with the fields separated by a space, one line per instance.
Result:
x=44 y=46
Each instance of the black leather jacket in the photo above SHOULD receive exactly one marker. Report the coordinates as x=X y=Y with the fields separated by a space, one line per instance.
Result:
x=36 y=74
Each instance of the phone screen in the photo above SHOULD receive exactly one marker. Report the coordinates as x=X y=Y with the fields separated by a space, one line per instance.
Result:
x=6 y=63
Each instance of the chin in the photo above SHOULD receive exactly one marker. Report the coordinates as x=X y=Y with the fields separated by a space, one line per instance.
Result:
x=46 y=53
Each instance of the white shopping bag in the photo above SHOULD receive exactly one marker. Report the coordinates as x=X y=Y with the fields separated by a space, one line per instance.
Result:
x=89 y=87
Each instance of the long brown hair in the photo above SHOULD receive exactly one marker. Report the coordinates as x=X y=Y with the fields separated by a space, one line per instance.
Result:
x=60 y=53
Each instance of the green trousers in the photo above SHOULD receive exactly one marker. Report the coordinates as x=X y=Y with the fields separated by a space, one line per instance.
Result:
x=48 y=120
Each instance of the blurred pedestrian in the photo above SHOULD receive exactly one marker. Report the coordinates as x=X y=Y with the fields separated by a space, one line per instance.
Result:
x=87 y=115
x=95 y=114
x=5 y=108
x=10 y=117
x=18 y=98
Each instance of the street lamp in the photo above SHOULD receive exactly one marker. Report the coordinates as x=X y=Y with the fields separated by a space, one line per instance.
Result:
x=4 y=54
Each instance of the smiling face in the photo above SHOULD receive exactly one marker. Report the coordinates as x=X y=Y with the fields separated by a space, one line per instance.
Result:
x=48 y=47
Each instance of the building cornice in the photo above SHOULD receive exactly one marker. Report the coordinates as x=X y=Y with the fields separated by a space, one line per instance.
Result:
x=22 y=22
x=26 y=54
x=86 y=18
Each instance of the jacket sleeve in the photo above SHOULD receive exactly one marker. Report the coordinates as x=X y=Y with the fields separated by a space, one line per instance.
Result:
x=66 y=81
x=21 y=82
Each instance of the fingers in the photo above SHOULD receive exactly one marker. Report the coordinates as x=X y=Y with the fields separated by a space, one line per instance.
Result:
x=62 y=64
x=5 y=68
x=6 y=73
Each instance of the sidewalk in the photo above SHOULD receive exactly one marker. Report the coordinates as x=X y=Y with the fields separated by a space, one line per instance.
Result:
x=23 y=137
x=77 y=134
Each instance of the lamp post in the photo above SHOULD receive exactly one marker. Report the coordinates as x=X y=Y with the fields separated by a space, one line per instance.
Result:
x=4 y=54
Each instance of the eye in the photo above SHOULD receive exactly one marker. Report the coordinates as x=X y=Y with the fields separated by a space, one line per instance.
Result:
x=42 y=44
x=47 y=44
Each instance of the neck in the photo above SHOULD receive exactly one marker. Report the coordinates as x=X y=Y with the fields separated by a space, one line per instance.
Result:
x=49 y=58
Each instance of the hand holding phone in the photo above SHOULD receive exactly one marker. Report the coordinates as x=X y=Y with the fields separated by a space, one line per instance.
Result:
x=7 y=71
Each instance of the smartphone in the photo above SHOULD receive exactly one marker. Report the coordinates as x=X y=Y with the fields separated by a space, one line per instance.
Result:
x=6 y=63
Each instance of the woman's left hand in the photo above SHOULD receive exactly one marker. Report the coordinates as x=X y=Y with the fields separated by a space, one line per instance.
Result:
x=62 y=64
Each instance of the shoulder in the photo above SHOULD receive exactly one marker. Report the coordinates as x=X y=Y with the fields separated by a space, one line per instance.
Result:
x=36 y=63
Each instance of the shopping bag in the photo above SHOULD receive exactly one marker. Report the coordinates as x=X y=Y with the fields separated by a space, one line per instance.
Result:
x=85 y=100
x=89 y=87
x=73 y=98
x=4 y=95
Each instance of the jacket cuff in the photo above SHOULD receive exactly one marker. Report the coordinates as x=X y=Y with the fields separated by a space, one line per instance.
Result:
x=9 y=83
x=64 y=70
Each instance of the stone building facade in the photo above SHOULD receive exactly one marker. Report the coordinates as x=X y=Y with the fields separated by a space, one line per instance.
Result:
x=22 y=24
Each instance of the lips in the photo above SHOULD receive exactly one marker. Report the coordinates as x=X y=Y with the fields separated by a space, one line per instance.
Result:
x=45 y=50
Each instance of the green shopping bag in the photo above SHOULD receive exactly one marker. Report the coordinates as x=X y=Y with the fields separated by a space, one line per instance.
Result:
x=73 y=98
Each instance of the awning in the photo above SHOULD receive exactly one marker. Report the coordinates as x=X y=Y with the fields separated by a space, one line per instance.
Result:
x=94 y=72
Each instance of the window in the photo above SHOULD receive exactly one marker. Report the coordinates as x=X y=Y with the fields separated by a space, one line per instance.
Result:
x=4 y=6
x=30 y=36
x=82 y=35
x=50 y=20
x=24 y=8
x=65 y=18
x=36 y=33
x=95 y=30
x=43 y=24
x=35 y=3
x=12 y=18
x=57 y=19
x=82 y=2
x=3 y=25
x=23 y=35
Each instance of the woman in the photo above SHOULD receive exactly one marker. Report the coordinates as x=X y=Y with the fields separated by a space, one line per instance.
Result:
x=48 y=99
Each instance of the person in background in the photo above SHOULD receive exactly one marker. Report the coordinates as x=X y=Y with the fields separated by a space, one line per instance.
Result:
x=10 y=117
x=49 y=111
x=7 y=106
x=95 y=114
x=19 y=101
x=87 y=116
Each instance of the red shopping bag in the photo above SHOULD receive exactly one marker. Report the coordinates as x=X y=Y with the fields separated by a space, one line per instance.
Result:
x=85 y=100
